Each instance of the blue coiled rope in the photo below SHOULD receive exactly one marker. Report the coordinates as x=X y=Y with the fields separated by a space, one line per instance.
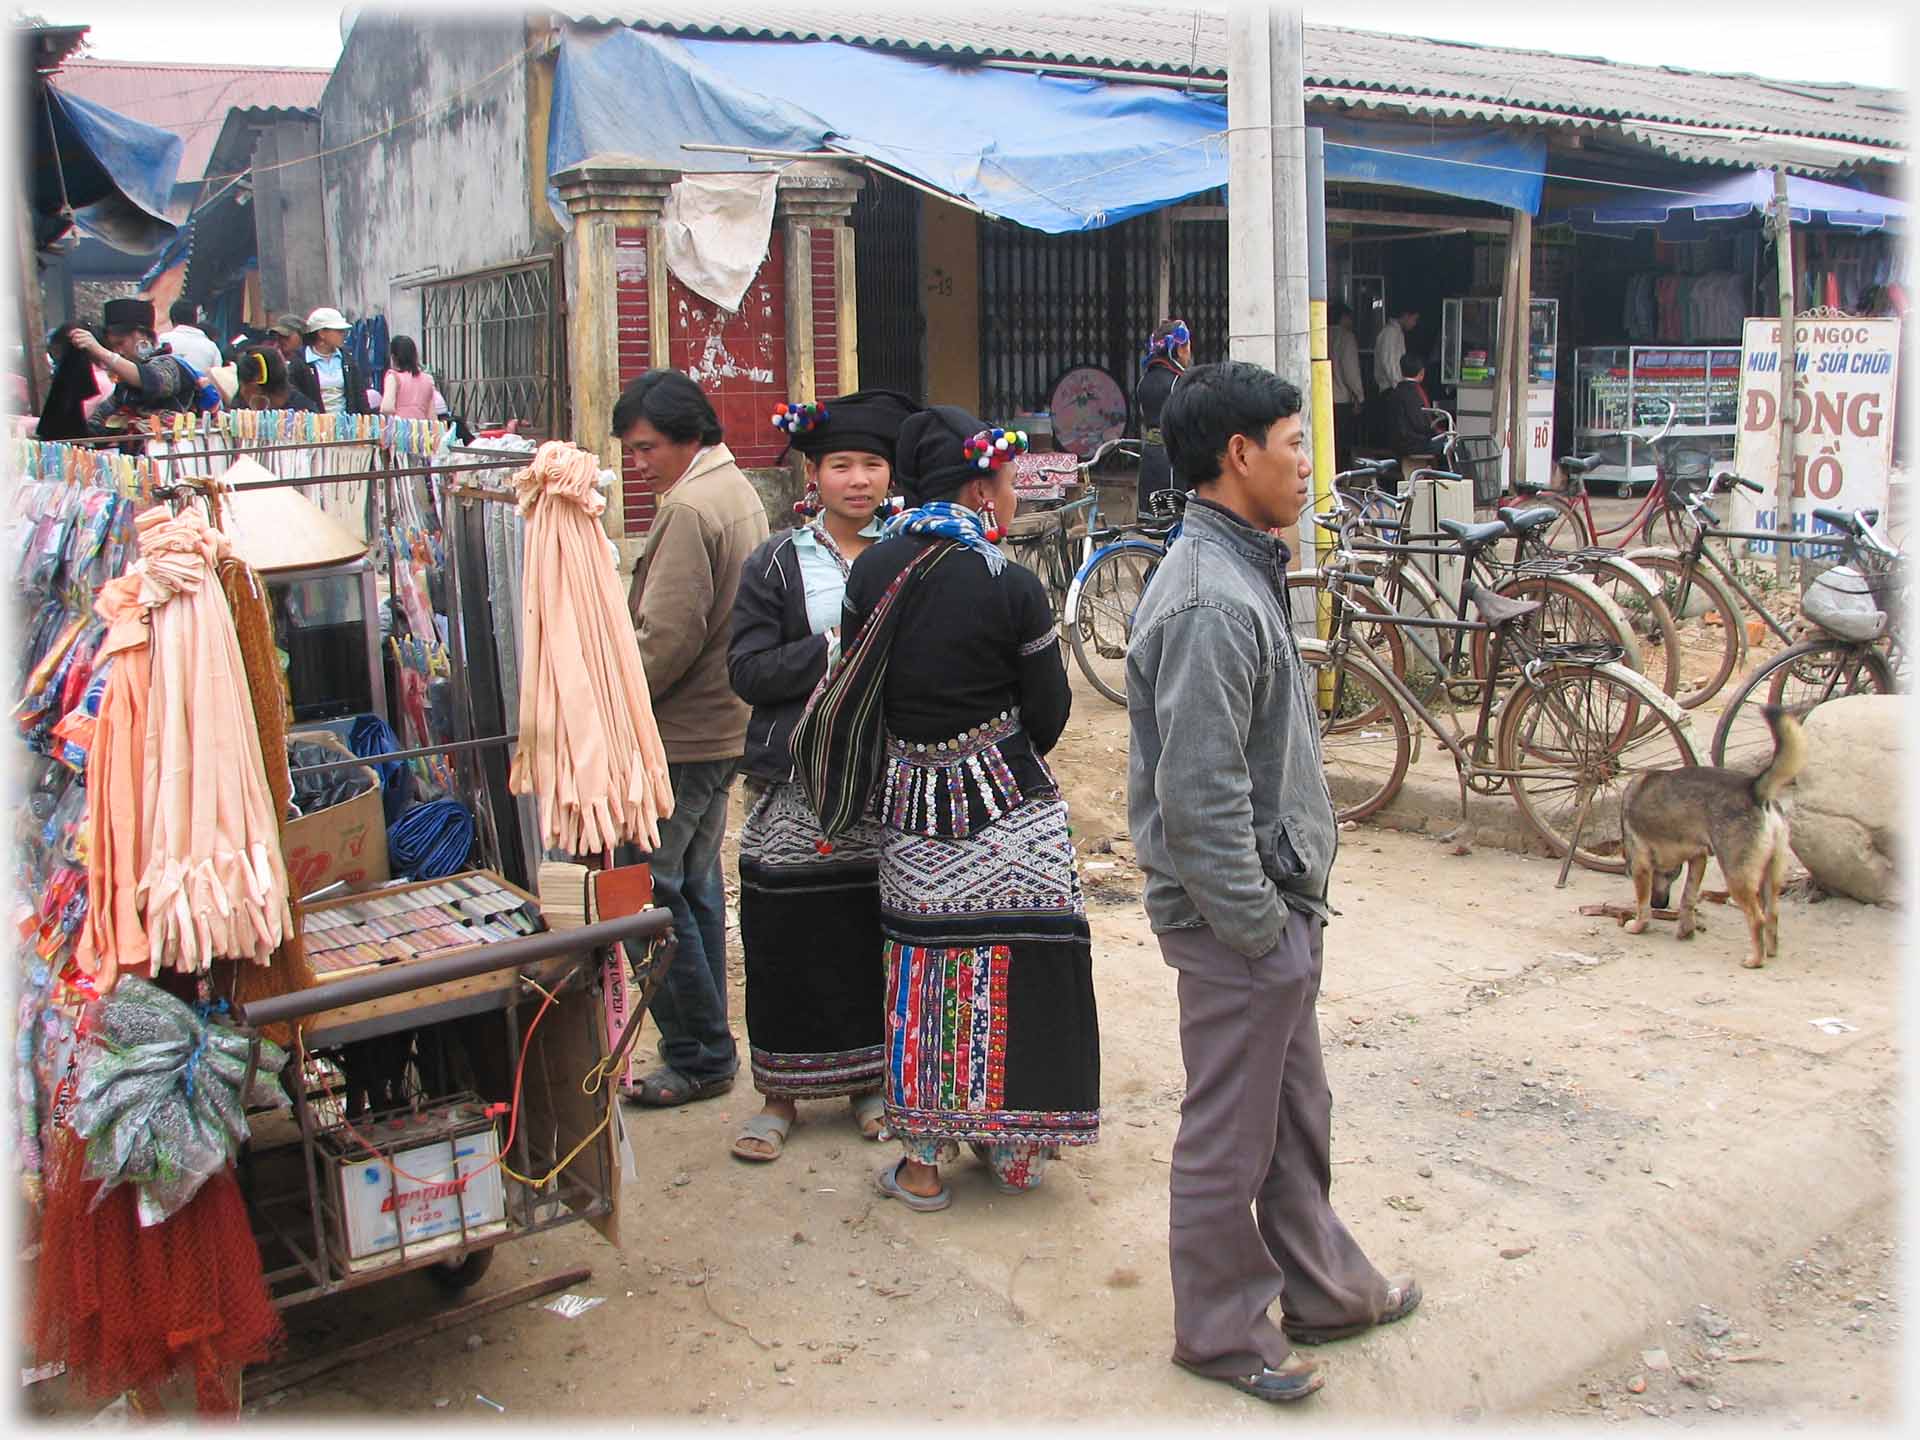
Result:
x=431 y=840
x=371 y=735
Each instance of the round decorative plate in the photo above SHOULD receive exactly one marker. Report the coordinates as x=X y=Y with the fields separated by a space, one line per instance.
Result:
x=1088 y=407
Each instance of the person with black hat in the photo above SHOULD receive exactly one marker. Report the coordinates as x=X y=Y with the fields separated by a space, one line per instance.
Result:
x=809 y=909
x=148 y=381
x=991 y=1033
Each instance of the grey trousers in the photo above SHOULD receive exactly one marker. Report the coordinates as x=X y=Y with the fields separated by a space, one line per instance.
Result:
x=1250 y=1220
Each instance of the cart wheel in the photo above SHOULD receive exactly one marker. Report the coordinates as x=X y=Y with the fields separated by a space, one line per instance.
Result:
x=453 y=1276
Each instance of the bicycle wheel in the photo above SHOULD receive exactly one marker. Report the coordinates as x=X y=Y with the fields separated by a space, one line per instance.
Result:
x=1709 y=654
x=1365 y=740
x=1568 y=530
x=1101 y=605
x=1637 y=595
x=1800 y=678
x=1572 y=740
x=1572 y=611
x=1404 y=589
x=1380 y=637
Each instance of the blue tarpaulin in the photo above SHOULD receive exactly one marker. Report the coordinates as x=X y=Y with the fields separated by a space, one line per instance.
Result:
x=1052 y=153
x=1681 y=215
x=116 y=174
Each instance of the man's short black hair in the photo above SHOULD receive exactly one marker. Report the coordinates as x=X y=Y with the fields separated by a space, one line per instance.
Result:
x=184 y=312
x=670 y=402
x=1412 y=366
x=1211 y=404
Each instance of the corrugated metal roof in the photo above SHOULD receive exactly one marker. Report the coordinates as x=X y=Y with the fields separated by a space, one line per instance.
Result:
x=1171 y=40
x=190 y=100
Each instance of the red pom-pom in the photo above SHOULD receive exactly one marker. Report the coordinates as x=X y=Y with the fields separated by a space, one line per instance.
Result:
x=781 y=408
x=996 y=535
x=825 y=847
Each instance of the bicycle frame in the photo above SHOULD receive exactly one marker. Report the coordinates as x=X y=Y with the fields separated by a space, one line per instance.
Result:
x=1698 y=551
x=1656 y=497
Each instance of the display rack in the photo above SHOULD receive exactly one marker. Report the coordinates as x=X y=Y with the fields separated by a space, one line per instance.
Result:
x=1469 y=363
x=1621 y=393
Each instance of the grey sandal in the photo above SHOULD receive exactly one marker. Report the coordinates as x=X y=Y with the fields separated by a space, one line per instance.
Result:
x=887 y=1182
x=769 y=1129
x=867 y=1108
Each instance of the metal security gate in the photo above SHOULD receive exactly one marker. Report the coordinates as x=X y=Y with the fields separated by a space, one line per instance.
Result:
x=1051 y=302
x=886 y=271
x=495 y=342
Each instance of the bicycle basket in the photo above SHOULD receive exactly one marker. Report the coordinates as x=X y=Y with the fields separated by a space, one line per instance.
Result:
x=1689 y=473
x=1479 y=460
x=1842 y=602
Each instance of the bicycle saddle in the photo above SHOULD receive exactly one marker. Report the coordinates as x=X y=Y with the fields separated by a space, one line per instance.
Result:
x=1474 y=536
x=1578 y=464
x=1498 y=609
x=1525 y=522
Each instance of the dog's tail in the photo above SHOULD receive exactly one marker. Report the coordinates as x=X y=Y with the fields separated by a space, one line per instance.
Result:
x=1789 y=755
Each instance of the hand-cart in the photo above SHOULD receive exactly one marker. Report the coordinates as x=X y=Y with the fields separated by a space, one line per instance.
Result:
x=444 y=1185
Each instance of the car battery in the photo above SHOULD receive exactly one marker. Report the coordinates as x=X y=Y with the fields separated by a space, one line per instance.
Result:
x=411 y=1182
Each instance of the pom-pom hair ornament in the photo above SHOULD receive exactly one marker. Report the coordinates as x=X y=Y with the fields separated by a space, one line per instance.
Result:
x=797 y=417
x=994 y=447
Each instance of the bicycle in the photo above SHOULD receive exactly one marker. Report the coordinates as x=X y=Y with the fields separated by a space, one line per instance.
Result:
x=1656 y=521
x=1699 y=578
x=1055 y=540
x=1572 y=607
x=1106 y=591
x=1828 y=664
x=1565 y=738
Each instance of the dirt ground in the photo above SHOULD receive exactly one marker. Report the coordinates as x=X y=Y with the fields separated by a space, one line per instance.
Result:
x=1628 y=1143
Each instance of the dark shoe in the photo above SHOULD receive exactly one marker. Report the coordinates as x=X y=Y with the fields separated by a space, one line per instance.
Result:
x=1294 y=1380
x=667 y=1087
x=1403 y=1298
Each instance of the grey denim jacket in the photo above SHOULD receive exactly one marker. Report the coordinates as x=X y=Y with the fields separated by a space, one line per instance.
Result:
x=1226 y=798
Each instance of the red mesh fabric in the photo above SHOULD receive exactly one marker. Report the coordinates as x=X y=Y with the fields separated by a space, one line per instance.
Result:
x=128 y=1308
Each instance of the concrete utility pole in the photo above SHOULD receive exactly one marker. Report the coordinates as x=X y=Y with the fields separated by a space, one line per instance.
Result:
x=1268 y=321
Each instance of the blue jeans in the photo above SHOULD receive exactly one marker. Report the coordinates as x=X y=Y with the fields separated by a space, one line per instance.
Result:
x=690 y=1007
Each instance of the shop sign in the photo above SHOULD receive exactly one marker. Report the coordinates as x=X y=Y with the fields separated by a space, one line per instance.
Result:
x=1846 y=387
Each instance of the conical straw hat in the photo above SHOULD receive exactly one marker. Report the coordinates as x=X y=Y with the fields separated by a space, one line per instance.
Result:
x=281 y=529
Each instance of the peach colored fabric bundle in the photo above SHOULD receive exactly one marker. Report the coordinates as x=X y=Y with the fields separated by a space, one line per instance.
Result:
x=215 y=885
x=113 y=939
x=589 y=750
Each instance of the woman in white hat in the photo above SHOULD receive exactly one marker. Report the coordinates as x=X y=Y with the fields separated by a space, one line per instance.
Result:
x=330 y=378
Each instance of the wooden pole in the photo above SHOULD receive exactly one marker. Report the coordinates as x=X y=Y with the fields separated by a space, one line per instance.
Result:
x=1783 y=482
x=1250 y=232
x=1503 y=358
x=1520 y=374
x=33 y=324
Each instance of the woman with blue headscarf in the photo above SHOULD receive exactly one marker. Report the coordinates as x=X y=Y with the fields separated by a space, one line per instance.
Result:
x=1169 y=353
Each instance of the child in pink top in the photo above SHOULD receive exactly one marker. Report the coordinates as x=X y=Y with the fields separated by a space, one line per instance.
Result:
x=409 y=392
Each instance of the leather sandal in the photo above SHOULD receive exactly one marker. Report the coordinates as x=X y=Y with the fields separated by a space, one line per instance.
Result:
x=1403 y=1298
x=1295 y=1380
x=667 y=1087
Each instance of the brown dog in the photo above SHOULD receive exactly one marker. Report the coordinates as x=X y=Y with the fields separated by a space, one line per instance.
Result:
x=1680 y=817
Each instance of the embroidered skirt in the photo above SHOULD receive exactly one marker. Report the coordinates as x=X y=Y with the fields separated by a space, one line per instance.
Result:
x=810 y=927
x=991 y=1031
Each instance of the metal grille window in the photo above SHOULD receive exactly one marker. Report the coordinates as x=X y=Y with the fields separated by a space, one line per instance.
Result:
x=493 y=341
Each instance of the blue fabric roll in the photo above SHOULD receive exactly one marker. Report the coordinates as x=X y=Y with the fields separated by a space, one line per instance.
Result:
x=370 y=735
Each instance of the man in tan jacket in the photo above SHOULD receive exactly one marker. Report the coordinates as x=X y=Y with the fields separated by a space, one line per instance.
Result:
x=709 y=520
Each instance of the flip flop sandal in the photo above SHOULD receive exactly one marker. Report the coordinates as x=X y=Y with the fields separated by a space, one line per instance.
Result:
x=867 y=1108
x=666 y=1088
x=769 y=1129
x=1403 y=1298
x=887 y=1182
x=1295 y=1380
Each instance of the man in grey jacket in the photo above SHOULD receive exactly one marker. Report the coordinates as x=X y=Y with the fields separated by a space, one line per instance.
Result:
x=1234 y=826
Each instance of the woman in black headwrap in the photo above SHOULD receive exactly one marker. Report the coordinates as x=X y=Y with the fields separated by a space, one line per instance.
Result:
x=991 y=1033
x=1169 y=352
x=809 y=908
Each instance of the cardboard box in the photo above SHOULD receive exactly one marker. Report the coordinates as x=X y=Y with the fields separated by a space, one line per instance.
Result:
x=343 y=842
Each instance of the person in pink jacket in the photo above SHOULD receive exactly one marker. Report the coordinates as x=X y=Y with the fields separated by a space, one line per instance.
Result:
x=409 y=392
